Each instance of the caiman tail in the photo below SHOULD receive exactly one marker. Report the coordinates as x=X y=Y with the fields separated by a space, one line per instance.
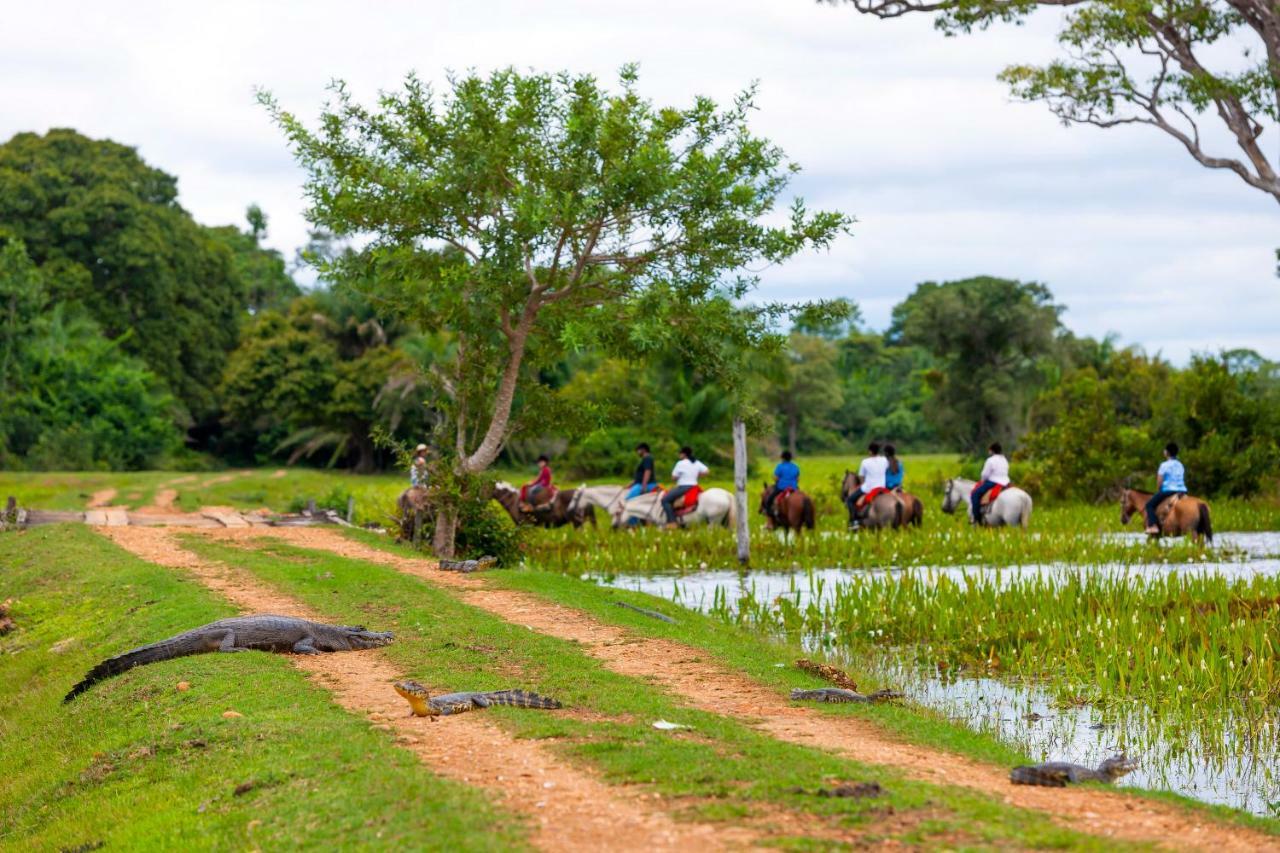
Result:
x=174 y=647
x=522 y=699
x=1032 y=775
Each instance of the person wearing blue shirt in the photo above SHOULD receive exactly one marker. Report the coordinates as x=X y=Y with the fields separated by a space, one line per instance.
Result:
x=1171 y=479
x=785 y=476
x=895 y=473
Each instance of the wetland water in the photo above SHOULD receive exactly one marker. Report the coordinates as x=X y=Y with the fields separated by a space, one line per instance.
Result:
x=1202 y=750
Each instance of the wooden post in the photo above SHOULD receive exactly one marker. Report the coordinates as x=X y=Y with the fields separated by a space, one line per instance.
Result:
x=351 y=509
x=740 y=490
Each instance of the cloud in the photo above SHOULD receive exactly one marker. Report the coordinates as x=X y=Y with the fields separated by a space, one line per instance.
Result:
x=906 y=129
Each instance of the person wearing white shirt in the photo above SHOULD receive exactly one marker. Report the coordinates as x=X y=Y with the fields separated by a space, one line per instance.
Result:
x=995 y=472
x=686 y=474
x=871 y=475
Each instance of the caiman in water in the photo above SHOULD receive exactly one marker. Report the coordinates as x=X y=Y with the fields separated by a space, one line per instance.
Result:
x=1056 y=774
x=267 y=633
x=423 y=704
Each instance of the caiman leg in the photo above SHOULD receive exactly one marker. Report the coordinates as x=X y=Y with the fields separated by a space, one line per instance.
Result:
x=305 y=647
x=228 y=643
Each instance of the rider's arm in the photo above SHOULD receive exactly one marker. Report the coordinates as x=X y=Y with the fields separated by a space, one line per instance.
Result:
x=986 y=471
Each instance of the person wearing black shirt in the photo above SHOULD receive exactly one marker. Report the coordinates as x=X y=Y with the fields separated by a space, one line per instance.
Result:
x=644 y=480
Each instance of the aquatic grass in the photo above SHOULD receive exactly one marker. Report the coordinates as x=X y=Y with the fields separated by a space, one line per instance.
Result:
x=1099 y=637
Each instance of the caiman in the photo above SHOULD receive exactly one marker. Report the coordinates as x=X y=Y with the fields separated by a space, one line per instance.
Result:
x=1056 y=774
x=835 y=694
x=467 y=566
x=423 y=704
x=267 y=633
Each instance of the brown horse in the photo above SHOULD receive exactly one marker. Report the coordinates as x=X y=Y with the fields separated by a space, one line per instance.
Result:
x=1177 y=516
x=791 y=511
x=887 y=510
x=556 y=513
x=912 y=508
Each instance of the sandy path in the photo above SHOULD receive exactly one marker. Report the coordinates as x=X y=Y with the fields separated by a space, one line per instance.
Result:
x=161 y=504
x=568 y=807
x=101 y=498
x=707 y=685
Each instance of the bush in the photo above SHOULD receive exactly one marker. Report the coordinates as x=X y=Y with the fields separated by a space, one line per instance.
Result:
x=611 y=452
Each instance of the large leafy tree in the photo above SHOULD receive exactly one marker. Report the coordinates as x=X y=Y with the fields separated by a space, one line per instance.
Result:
x=107 y=232
x=262 y=273
x=994 y=339
x=1204 y=72
x=525 y=213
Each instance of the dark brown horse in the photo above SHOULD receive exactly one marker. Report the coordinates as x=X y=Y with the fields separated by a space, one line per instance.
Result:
x=557 y=512
x=791 y=511
x=1178 y=515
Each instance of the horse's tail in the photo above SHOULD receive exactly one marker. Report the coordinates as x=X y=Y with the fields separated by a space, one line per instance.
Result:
x=730 y=519
x=807 y=518
x=1024 y=517
x=897 y=514
x=917 y=512
x=1203 y=525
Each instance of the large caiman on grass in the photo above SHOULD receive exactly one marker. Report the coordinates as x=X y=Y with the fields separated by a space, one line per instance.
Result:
x=267 y=633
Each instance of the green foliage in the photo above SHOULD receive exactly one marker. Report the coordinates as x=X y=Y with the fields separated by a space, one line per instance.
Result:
x=261 y=271
x=806 y=394
x=993 y=339
x=106 y=230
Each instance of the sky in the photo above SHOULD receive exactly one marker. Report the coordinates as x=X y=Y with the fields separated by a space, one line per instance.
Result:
x=906 y=130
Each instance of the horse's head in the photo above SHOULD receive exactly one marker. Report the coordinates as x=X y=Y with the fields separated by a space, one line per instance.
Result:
x=849 y=484
x=949 y=496
x=575 y=500
x=764 y=495
x=1128 y=506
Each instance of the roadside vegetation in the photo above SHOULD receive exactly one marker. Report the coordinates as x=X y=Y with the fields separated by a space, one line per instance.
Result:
x=138 y=764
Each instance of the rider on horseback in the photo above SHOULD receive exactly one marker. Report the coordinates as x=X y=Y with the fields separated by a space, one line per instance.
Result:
x=894 y=472
x=686 y=474
x=786 y=477
x=531 y=490
x=643 y=481
x=871 y=475
x=995 y=472
x=1171 y=479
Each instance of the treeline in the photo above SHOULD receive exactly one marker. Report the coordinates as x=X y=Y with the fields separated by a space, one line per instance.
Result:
x=132 y=336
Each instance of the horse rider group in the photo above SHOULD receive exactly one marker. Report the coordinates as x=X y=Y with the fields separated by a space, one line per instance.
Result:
x=880 y=472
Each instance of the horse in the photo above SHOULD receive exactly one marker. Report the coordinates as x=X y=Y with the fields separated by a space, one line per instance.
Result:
x=1186 y=515
x=887 y=510
x=608 y=498
x=715 y=506
x=1011 y=507
x=792 y=511
x=556 y=513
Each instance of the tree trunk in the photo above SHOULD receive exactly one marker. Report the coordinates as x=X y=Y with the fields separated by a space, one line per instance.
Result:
x=442 y=542
x=740 y=490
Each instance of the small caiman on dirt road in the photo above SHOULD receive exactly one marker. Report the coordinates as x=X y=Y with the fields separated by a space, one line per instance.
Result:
x=423 y=704
x=267 y=633
x=835 y=694
x=1056 y=774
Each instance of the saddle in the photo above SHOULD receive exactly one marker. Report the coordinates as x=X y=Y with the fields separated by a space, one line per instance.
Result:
x=990 y=497
x=546 y=499
x=688 y=501
x=1166 y=506
x=779 y=502
x=865 y=500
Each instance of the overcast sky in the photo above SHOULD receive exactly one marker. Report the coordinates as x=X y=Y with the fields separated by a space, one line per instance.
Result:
x=891 y=122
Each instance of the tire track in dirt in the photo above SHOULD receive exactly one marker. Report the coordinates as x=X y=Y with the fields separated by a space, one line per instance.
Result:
x=101 y=498
x=568 y=807
x=709 y=686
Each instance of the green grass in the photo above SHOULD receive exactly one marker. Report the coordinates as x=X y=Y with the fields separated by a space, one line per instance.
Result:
x=722 y=768
x=766 y=657
x=135 y=764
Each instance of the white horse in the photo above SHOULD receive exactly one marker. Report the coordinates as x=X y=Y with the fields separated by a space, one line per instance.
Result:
x=1013 y=506
x=715 y=506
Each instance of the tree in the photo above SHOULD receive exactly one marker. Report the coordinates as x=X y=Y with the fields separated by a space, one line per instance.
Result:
x=106 y=231
x=806 y=394
x=529 y=213
x=992 y=338
x=1192 y=69
x=261 y=271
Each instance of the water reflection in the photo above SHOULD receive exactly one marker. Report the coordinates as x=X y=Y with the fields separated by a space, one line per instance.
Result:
x=1223 y=757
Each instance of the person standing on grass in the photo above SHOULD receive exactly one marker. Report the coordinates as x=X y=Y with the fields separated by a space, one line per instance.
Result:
x=995 y=472
x=686 y=474
x=894 y=473
x=418 y=468
x=1171 y=479
x=644 y=480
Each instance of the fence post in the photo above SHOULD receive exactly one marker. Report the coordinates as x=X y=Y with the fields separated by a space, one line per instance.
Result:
x=740 y=490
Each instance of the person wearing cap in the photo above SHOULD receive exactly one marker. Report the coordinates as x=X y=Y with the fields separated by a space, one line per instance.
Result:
x=418 y=469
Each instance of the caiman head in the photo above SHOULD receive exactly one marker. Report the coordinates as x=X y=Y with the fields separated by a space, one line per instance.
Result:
x=1116 y=766
x=417 y=695
x=355 y=637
